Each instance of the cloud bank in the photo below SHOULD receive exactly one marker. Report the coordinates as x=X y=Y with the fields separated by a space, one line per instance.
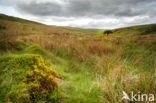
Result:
x=88 y=13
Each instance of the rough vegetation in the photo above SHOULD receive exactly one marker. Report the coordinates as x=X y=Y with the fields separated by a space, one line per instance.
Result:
x=26 y=78
x=91 y=67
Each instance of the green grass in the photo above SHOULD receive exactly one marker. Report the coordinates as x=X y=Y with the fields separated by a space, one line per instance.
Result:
x=86 y=66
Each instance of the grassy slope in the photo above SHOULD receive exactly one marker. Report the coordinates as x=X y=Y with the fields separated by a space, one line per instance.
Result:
x=137 y=30
x=95 y=68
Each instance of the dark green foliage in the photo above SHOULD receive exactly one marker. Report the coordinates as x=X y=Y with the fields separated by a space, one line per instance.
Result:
x=149 y=30
x=107 y=32
x=11 y=45
x=2 y=27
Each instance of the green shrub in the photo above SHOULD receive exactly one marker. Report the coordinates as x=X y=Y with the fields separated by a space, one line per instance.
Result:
x=107 y=32
x=26 y=78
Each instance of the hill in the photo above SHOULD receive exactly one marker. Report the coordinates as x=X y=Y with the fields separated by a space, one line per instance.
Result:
x=44 y=64
x=138 y=30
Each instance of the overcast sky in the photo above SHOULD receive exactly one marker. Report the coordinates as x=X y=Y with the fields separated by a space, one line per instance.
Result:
x=83 y=13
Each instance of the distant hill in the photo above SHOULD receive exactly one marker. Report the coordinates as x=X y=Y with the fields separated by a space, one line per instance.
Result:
x=15 y=19
x=138 y=30
x=31 y=27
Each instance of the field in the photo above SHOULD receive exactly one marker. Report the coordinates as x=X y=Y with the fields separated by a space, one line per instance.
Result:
x=50 y=64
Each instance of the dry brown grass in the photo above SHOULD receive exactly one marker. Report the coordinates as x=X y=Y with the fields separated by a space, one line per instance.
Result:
x=98 y=48
x=82 y=47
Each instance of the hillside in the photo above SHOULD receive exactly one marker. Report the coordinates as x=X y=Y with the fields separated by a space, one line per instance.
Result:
x=138 y=30
x=52 y=64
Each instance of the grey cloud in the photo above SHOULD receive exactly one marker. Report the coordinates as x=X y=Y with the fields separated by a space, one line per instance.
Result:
x=6 y=3
x=89 y=8
x=87 y=13
x=40 y=9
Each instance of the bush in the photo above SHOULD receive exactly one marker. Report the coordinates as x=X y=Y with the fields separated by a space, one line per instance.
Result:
x=107 y=32
x=26 y=78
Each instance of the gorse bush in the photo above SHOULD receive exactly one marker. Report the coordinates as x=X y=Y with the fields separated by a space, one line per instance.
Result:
x=26 y=78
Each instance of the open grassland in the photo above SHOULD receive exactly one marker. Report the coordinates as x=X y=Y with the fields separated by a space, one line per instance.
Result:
x=41 y=64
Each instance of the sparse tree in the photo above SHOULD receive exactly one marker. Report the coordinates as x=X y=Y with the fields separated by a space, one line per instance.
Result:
x=107 y=32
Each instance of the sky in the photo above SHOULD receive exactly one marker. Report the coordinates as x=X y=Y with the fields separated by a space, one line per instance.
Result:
x=101 y=14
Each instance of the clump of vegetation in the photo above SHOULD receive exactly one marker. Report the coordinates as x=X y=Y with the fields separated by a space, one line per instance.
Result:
x=2 y=27
x=34 y=48
x=26 y=78
x=107 y=32
x=11 y=45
